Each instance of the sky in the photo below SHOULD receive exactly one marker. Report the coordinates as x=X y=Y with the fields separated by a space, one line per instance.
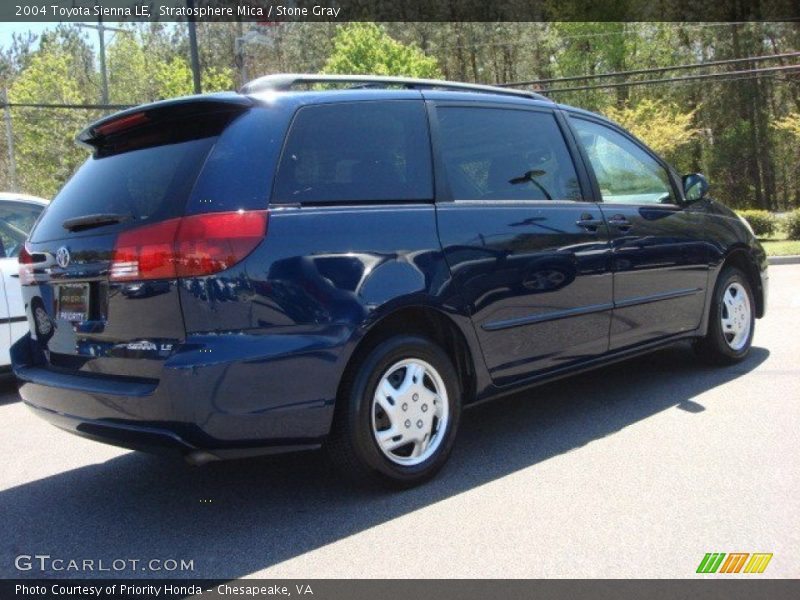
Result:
x=7 y=30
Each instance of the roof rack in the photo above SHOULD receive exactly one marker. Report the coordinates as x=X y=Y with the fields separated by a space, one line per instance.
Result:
x=286 y=81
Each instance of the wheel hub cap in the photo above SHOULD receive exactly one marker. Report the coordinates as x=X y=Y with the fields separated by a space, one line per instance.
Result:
x=410 y=412
x=42 y=321
x=736 y=316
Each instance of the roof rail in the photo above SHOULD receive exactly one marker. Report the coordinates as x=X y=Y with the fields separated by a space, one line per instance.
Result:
x=286 y=81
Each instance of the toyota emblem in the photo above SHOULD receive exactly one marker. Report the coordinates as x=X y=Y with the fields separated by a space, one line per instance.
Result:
x=62 y=257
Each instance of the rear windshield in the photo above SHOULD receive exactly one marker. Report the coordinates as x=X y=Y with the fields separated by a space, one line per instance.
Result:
x=150 y=184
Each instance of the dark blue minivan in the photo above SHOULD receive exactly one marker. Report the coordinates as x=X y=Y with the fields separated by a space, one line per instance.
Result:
x=349 y=261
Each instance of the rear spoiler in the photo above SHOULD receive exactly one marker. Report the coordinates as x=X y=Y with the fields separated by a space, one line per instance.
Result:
x=148 y=114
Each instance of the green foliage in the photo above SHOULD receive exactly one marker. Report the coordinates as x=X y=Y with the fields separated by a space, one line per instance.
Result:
x=764 y=223
x=588 y=49
x=790 y=124
x=142 y=69
x=792 y=225
x=174 y=78
x=45 y=151
x=660 y=125
x=129 y=69
x=366 y=49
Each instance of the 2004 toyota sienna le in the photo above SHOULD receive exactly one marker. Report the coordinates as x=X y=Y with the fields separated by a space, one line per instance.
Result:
x=349 y=261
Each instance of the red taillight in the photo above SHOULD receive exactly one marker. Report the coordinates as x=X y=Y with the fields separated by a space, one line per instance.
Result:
x=25 y=256
x=146 y=252
x=122 y=123
x=25 y=266
x=214 y=242
x=190 y=246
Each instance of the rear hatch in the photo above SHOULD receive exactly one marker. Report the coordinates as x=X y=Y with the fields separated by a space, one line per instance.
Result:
x=100 y=271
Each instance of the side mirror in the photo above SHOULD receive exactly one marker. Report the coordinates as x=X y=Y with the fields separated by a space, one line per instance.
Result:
x=695 y=186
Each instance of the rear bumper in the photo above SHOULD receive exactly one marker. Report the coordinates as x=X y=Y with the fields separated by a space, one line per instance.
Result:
x=126 y=435
x=155 y=440
x=258 y=401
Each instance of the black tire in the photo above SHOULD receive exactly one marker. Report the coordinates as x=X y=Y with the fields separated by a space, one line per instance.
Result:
x=714 y=347
x=351 y=445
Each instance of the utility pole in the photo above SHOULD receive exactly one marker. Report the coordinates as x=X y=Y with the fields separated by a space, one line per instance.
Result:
x=193 y=49
x=12 y=164
x=101 y=29
x=239 y=55
x=253 y=36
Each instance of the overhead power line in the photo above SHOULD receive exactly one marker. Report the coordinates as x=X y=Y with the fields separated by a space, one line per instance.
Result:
x=671 y=79
x=59 y=105
x=701 y=65
x=740 y=75
x=631 y=31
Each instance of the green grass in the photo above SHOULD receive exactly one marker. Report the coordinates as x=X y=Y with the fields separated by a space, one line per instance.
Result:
x=778 y=245
x=781 y=247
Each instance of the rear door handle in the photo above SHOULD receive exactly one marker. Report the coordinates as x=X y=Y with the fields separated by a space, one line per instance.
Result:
x=589 y=223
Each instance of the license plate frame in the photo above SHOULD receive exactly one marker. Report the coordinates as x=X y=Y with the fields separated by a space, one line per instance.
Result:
x=73 y=302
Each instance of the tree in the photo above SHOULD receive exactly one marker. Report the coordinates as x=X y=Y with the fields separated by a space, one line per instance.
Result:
x=44 y=139
x=789 y=146
x=143 y=67
x=366 y=49
x=790 y=124
x=129 y=70
x=174 y=78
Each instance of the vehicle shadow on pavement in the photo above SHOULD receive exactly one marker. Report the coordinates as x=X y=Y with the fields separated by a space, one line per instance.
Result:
x=235 y=518
x=8 y=389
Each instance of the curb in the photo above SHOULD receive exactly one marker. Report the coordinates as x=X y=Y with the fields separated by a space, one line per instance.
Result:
x=784 y=260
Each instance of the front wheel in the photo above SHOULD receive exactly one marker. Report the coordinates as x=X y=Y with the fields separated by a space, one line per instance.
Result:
x=398 y=415
x=732 y=320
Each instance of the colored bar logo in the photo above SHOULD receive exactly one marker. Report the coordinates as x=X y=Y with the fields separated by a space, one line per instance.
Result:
x=734 y=563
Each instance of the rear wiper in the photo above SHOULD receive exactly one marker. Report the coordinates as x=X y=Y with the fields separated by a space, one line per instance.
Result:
x=98 y=220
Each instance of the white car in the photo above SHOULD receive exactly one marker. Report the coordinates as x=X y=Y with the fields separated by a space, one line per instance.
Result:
x=18 y=213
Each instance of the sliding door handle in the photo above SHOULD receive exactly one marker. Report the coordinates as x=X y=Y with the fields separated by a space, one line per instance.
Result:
x=589 y=223
x=620 y=222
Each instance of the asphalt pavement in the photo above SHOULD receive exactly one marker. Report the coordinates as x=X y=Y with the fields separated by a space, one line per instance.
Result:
x=634 y=470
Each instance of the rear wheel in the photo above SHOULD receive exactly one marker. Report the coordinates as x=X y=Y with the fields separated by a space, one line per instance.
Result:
x=398 y=415
x=732 y=320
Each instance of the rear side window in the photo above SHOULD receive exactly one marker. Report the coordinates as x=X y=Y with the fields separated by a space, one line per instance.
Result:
x=500 y=154
x=238 y=173
x=356 y=152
